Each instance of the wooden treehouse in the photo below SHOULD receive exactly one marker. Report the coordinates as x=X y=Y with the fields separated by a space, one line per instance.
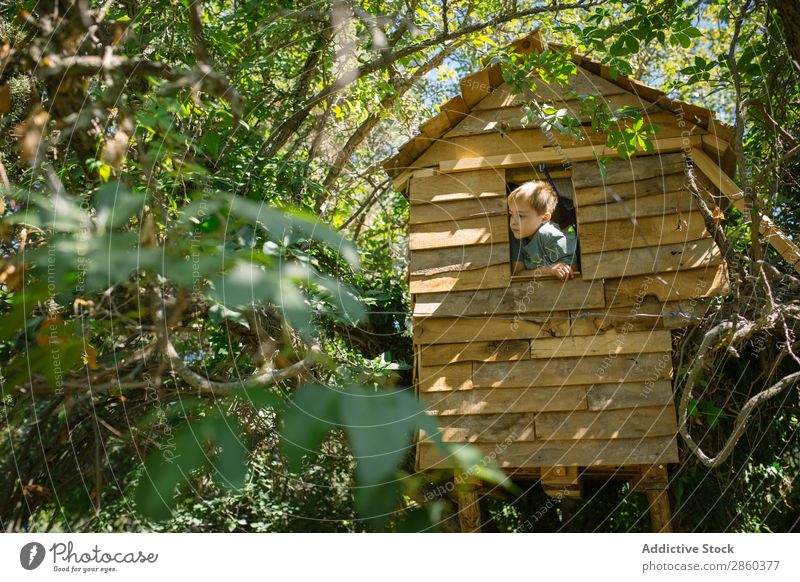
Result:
x=554 y=380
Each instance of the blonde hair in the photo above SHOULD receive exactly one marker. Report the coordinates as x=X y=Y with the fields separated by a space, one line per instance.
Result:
x=537 y=194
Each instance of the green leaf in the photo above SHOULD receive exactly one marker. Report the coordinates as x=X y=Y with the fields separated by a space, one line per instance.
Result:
x=115 y=205
x=309 y=417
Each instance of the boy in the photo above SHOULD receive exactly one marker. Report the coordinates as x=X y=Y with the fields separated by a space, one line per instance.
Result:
x=538 y=245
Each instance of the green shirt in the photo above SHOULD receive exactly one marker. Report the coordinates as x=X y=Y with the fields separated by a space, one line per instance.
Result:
x=547 y=246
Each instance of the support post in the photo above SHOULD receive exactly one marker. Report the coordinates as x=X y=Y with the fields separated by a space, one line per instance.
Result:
x=653 y=481
x=469 y=513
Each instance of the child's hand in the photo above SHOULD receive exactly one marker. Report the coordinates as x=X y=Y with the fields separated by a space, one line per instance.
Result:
x=560 y=270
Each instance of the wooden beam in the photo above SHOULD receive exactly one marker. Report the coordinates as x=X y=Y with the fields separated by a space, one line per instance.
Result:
x=553 y=156
x=775 y=237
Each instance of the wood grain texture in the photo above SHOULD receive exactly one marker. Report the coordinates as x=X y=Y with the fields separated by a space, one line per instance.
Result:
x=449 y=188
x=602 y=344
x=465 y=232
x=437 y=330
x=588 y=453
x=445 y=378
x=493 y=277
x=482 y=351
x=629 y=395
x=588 y=174
x=505 y=400
x=428 y=262
x=659 y=259
x=654 y=205
x=675 y=286
x=573 y=371
x=519 y=298
x=460 y=209
x=650 y=231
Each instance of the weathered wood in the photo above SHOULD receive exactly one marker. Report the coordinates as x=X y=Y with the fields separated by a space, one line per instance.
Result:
x=645 y=232
x=469 y=512
x=505 y=400
x=677 y=314
x=467 y=186
x=629 y=395
x=659 y=259
x=510 y=118
x=582 y=83
x=494 y=277
x=585 y=175
x=775 y=237
x=660 y=513
x=443 y=378
x=520 y=298
x=645 y=316
x=437 y=261
x=456 y=110
x=475 y=87
x=437 y=330
x=572 y=371
x=436 y=126
x=589 y=452
x=462 y=209
x=655 y=205
x=675 y=286
x=495 y=143
x=482 y=351
x=451 y=233
x=611 y=342
x=641 y=422
x=610 y=193
x=556 y=156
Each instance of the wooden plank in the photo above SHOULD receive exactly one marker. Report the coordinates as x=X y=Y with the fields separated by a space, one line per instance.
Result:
x=520 y=297
x=570 y=371
x=475 y=87
x=494 y=277
x=775 y=237
x=644 y=316
x=582 y=83
x=514 y=117
x=495 y=143
x=558 y=156
x=645 y=232
x=473 y=231
x=655 y=205
x=629 y=395
x=603 y=344
x=678 y=314
x=660 y=259
x=610 y=193
x=436 y=126
x=675 y=286
x=436 y=330
x=482 y=351
x=456 y=109
x=641 y=422
x=511 y=400
x=588 y=453
x=461 y=209
x=643 y=167
x=437 y=261
x=445 y=378
x=467 y=186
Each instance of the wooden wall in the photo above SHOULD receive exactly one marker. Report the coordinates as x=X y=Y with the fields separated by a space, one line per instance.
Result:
x=537 y=372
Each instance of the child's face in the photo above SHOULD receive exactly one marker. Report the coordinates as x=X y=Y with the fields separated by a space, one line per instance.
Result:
x=525 y=221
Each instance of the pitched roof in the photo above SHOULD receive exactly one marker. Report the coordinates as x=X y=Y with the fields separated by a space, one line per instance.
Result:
x=477 y=86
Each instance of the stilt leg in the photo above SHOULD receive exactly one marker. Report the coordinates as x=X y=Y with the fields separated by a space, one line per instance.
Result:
x=469 y=513
x=660 y=513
